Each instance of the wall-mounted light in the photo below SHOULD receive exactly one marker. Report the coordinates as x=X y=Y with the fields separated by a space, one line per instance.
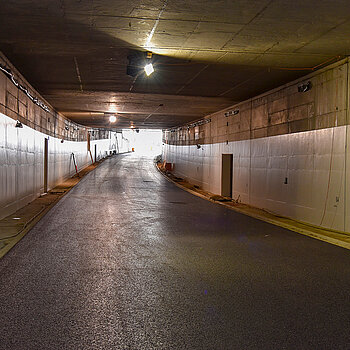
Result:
x=112 y=118
x=199 y=146
x=18 y=124
x=235 y=112
x=62 y=141
x=305 y=87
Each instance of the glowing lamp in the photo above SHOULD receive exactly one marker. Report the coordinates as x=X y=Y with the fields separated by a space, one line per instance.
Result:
x=149 y=69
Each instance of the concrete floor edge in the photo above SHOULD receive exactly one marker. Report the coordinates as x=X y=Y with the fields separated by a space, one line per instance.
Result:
x=17 y=238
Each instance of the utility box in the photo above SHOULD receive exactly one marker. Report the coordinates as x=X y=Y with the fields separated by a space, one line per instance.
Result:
x=226 y=175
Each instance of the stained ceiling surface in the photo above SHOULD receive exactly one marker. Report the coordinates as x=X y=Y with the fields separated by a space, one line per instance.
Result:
x=207 y=55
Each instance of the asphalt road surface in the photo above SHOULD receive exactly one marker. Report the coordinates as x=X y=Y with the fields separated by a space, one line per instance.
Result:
x=127 y=260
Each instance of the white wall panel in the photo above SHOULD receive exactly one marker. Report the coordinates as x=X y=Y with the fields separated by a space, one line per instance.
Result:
x=21 y=162
x=347 y=183
x=301 y=174
x=313 y=163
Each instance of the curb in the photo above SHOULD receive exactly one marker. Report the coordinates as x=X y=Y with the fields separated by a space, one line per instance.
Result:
x=276 y=222
x=5 y=248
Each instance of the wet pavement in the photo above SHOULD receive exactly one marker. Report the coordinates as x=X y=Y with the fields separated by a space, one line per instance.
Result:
x=127 y=260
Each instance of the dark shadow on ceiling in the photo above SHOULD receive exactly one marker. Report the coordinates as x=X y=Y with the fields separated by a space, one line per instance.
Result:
x=51 y=50
x=56 y=55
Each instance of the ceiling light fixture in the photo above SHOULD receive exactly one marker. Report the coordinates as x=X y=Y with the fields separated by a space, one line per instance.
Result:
x=112 y=118
x=149 y=66
x=149 y=69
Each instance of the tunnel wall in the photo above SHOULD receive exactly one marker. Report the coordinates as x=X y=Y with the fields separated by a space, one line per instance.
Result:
x=289 y=150
x=21 y=149
x=22 y=162
x=16 y=103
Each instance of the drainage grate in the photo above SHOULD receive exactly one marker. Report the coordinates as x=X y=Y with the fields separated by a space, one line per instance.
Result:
x=177 y=202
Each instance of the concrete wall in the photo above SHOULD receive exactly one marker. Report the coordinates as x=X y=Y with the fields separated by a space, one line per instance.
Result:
x=22 y=162
x=283 y=134
x=16 y=104
x=22 y=149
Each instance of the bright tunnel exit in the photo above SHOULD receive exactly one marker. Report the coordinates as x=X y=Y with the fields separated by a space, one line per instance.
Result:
x=145 y=141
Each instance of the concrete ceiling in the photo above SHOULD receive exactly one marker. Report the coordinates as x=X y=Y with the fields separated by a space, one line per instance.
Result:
x=207 y=54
